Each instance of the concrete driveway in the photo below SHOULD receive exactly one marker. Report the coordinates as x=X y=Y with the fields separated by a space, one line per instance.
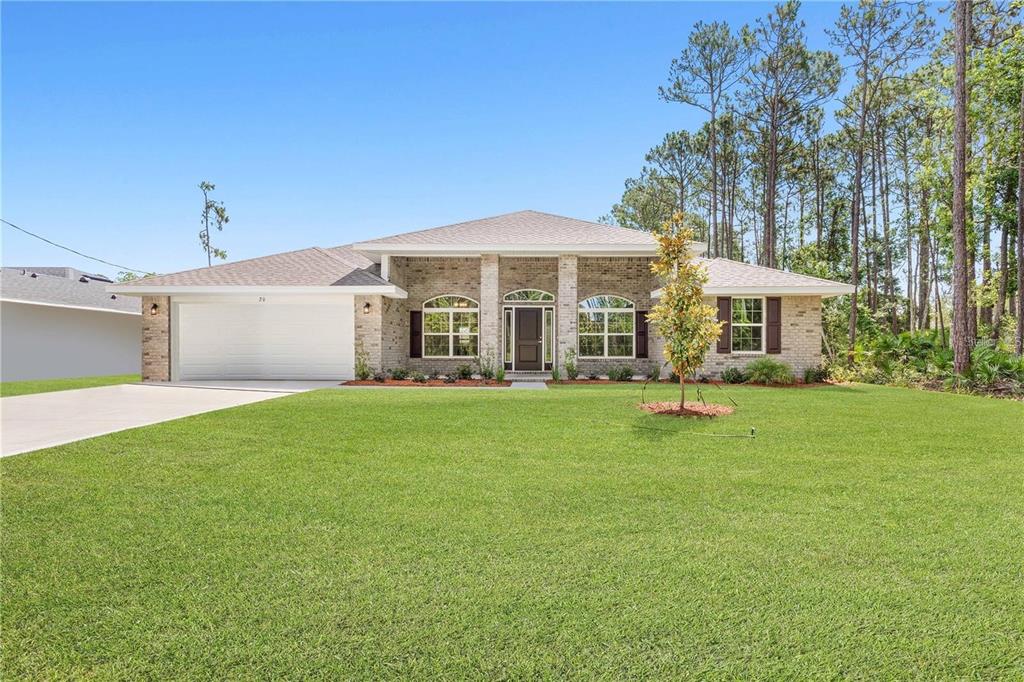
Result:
x=41 y=420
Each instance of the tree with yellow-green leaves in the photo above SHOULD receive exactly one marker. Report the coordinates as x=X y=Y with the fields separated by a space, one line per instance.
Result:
x=687 y=324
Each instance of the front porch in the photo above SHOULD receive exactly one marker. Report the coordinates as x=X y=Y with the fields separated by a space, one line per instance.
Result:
x=521 y=313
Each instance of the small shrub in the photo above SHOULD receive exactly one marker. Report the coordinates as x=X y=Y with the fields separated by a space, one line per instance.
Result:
x=485 y=364
x=593 y=376
x=815 y=375
x=464 y=372
x=399 y=373
x=434 y=376
x=499 y=374
x=450 y=378
x=571 y=370
x=768 y=371
x=363 y=369
x=556 y=375
x=673 y=377
x=418 y=377
x=623 y=373
x=734 y=375
x=380 y=376
x=653 y=373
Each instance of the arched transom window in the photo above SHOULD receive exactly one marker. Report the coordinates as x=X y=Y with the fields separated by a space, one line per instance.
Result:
x=451 y=327
x=529 y=296
x=606 y=327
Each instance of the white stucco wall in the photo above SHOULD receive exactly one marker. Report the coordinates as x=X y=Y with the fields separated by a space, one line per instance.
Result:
x=45 y=342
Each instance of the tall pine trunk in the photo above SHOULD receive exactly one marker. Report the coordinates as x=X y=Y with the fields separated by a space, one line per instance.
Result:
x=960 y=324
x=1019 y=339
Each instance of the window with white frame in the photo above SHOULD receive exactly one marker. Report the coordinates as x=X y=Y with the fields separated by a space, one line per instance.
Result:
x=747 y=325
x=606 y=327
x=528 y=296
x=451 y=327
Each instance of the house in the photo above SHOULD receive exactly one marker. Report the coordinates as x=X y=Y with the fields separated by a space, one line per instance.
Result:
x=58 y=322
x=523 y=288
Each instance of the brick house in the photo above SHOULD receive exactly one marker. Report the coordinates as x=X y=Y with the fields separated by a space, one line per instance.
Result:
x=522 y=289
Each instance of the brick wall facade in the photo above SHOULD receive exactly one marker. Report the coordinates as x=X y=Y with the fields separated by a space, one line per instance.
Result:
x=627 y=277
x=156 y=339
x=801 y=340
x=384 y=333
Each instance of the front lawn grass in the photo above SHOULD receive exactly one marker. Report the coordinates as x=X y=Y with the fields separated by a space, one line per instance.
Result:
x=866 y=532
x=10 y=388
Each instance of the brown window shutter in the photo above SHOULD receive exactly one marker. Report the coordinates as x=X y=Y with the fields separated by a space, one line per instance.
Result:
x=641 y=334
x=725 y=315
x=773 y=325
x=415 y=333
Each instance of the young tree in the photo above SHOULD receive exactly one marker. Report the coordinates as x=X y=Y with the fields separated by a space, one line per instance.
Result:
x=688 y=325
x=212 y=211
x=711 y=64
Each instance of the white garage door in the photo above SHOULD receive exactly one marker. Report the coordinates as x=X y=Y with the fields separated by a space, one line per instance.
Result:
x=265 y=341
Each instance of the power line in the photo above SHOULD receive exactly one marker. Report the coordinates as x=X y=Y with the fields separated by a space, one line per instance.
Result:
x=67 y=248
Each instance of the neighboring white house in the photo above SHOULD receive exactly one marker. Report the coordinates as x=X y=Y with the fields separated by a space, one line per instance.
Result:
x=60 y=322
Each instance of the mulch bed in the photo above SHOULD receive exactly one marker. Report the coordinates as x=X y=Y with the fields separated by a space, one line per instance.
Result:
x=431 y=382
x=715 y=382
x=690 y=410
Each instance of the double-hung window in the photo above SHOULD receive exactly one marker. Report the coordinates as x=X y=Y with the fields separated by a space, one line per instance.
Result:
x=607 y=325
x=747 y=325
x=451 y=327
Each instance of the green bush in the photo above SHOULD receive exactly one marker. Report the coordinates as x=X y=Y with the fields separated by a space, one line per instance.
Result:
x=622 y=373
x=768 y=371
x=363 y=369
x=571 y=371
x=418 y=377
x=399 y=373
x=815 y=375
x=555 y=374
x=653 y=373
x=464 y=372
x=485 y=364
x=499 y=374
x=734 y=375
x=380 y=376
x=593 y=376
x=450 y=379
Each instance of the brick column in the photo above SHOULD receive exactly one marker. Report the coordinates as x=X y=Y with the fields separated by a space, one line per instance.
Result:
x=567 y=306
x=156 y=338
x=490 y=308
x=368 y=329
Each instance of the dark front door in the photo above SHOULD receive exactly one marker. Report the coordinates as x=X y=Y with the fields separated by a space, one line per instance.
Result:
x=529 y=339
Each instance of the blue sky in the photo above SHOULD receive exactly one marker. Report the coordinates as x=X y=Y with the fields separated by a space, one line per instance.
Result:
x=323 y=124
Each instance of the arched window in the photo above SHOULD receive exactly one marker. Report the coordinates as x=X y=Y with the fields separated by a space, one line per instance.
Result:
x=606 y=327
x=529 y=296
x=451 y=327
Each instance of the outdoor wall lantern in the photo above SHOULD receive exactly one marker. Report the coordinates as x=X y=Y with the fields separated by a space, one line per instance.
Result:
x=366 y=308
x=154 y=309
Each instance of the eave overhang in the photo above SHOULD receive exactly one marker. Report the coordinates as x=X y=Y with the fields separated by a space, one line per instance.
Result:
x=388 y=291
x=823 y=291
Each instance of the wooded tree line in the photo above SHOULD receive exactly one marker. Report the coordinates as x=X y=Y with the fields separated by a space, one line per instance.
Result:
x=907 y=183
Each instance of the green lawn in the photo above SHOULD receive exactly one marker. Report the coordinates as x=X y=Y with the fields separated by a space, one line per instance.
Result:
x=867 y=532
x=9 y=388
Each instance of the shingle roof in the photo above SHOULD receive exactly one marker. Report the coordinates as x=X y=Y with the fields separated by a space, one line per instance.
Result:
x=520 y=228
x=59 y=289
x=337 y=266
x=729 y=276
